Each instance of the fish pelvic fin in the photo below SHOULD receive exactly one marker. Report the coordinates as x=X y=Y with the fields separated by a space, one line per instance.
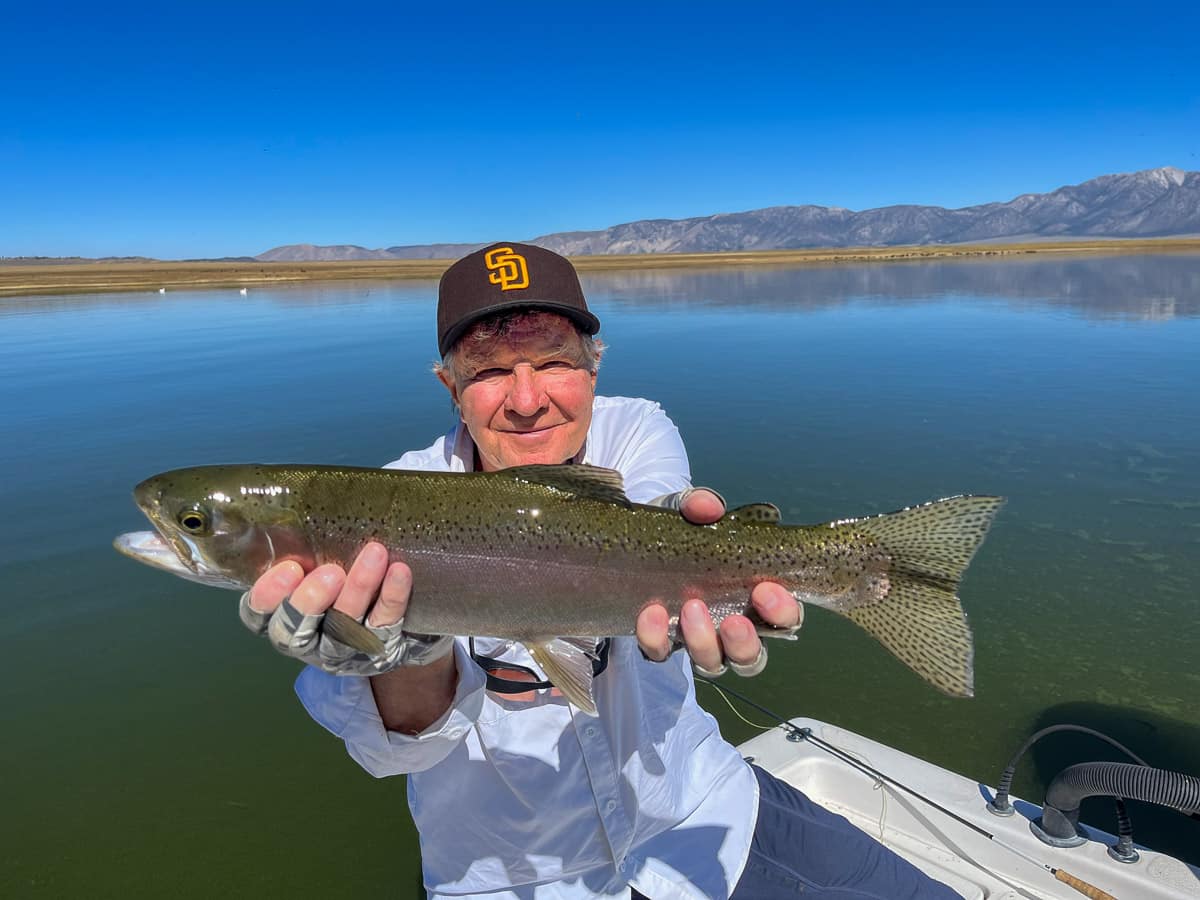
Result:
x=921 y=620
x=567 y=663
x=351 y=632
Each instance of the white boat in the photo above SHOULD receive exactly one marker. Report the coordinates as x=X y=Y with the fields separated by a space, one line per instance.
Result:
x=969 y=862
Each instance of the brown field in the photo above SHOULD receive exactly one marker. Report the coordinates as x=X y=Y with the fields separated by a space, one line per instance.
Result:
x=52 y=277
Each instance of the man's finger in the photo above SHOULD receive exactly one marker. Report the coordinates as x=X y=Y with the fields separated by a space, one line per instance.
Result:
x=702 y=506
x=393 y=596
x=363 y=581
x=319 y=589
x=739 y=640
x=776 y=605
x=700 y=636
x=652 y=632
x=274 y=585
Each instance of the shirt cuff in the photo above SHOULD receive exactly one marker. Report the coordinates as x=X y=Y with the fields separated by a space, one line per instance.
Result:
x=345 y=706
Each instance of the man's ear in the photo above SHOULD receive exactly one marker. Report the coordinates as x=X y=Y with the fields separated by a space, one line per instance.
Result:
x=445 y=379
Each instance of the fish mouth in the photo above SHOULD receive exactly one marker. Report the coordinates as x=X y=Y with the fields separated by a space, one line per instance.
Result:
x=151 y=549
x=148 y=496
x=166 y=548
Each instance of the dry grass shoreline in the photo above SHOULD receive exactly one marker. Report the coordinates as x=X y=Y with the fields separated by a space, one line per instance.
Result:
x=18 y=279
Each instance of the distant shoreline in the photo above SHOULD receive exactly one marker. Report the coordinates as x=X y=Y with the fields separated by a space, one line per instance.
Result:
x=18 y=278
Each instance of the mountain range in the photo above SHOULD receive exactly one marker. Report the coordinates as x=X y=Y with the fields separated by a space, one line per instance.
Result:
x=1153 y=203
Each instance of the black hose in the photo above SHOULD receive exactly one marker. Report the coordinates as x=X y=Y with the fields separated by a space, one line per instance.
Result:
x=1001 y=804
x=1060 y=812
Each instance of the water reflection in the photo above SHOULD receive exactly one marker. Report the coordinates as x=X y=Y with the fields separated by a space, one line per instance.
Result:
x=1140 y=287
x=1158 y=286
x=228 y=299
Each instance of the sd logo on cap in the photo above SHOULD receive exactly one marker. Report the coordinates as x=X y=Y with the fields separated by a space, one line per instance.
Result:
x=508 y=269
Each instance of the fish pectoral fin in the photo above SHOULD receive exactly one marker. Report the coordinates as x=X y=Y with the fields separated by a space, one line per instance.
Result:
x=567 y=663
x=591 y=482
x=764 y=513
x=351 y=632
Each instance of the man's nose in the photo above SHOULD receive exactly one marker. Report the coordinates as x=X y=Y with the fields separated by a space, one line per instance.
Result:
x=526 y=396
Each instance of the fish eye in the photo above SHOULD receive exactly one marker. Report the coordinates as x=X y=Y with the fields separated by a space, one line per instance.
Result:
x=193 y=521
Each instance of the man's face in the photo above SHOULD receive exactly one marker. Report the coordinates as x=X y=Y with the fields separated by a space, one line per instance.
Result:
x=525 y=397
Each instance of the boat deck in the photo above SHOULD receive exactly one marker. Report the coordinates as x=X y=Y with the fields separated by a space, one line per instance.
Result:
x=949 y=851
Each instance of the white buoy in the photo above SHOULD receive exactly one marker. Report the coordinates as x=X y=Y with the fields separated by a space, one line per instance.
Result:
x=242 y=292
x=162 y=290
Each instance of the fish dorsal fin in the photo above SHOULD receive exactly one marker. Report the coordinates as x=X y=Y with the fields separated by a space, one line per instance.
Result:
x=567 y=663
x=766 y=513
x=591 y=482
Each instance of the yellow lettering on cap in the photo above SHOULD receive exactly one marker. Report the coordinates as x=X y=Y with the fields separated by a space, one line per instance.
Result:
x=507 y=268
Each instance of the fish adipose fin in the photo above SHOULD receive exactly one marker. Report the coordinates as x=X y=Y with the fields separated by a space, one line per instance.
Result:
x=567 y=663
x=592 y=482
x=921 y=620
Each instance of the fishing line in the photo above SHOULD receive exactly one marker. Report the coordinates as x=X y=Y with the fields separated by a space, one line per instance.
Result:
x=805 y=734
x=735 y=711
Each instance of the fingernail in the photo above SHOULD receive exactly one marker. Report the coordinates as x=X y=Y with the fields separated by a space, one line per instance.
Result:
x=736 y=629
x=397 y=576
x=694 y=613
x=288 y=575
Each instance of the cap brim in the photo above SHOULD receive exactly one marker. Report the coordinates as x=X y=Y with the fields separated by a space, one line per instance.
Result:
x=585 y=320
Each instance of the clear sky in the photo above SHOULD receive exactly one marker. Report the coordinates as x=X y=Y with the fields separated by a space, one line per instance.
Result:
x=207 y=129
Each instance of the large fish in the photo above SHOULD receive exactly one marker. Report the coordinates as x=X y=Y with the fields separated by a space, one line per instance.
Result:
x=542 y=553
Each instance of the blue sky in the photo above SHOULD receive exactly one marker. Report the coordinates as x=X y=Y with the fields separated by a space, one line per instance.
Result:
x=195 y=130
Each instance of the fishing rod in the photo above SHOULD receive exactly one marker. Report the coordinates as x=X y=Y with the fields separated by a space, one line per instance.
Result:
x=805 y=734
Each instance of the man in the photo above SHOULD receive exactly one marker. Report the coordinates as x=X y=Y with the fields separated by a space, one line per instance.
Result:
x=515 y=792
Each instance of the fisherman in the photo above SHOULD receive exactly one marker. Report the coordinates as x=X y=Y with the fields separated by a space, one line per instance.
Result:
x=516 y=793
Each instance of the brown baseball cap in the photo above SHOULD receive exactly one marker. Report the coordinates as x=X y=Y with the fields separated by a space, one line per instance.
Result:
x=507 y=276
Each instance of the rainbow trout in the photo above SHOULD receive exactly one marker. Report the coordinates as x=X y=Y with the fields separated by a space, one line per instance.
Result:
x=544 y=554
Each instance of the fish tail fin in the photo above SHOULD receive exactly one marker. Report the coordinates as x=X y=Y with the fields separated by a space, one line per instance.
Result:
x=920 y=620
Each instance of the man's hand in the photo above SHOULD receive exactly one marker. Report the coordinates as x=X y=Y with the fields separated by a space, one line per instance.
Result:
x=295 y=612
x=409 y=697
x=736 y=642
x=331 y=587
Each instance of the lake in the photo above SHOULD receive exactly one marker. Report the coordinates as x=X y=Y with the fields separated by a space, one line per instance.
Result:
x=153 y=746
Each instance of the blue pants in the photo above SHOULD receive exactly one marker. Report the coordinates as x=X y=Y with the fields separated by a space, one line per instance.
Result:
x=801 y=849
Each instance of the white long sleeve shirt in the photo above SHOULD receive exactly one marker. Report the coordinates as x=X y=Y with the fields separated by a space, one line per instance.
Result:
x=535 y=799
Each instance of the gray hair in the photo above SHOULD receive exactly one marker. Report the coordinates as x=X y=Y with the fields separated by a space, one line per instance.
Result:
x=502 y=324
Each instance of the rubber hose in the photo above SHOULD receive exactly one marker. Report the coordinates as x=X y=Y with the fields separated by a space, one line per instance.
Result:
x=1108 y=779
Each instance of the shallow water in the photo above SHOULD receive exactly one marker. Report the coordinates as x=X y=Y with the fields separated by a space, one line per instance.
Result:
x=152 y=745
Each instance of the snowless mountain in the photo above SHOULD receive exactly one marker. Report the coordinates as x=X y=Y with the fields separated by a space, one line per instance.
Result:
x=1153 y=203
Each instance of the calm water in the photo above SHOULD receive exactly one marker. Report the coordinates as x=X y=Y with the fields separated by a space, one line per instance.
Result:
x=152 y=746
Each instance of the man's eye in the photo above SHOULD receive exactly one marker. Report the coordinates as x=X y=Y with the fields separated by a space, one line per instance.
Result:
x=556 y=365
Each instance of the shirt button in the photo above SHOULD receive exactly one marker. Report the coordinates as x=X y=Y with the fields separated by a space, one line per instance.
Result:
x=591 y=731
x=610 y=806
